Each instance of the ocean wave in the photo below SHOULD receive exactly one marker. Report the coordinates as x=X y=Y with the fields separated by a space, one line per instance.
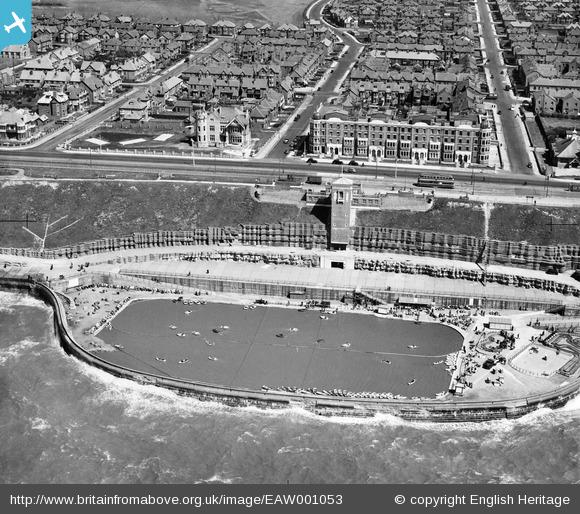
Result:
x=16 y=350
x=39 y=424
x=218 y=479
x=9 y=300
x=142 y=401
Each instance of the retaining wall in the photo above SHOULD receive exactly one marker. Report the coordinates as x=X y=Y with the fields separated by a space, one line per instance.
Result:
x=309 y=236
x=430 y=410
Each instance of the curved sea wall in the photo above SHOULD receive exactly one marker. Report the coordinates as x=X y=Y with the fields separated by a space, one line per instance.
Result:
x=423 y=410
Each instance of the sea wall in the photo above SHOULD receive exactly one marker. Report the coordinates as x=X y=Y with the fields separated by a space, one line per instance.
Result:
x=457 y=410
x=318 y=292
x=309 y=236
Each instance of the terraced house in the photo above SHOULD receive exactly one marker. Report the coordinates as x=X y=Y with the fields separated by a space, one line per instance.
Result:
x=423 y=137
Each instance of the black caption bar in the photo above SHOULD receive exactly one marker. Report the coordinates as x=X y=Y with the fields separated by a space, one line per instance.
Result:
x=358 y=499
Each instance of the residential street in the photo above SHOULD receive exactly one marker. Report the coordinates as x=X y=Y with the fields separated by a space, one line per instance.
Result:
x=327 y=90
x=517 y=145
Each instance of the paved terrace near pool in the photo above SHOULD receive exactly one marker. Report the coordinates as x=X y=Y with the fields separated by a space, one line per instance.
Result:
x=165 y=261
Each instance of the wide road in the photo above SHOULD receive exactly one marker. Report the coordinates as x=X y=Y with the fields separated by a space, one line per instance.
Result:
x=326 y=90
x=56 y=165
x=517 y=146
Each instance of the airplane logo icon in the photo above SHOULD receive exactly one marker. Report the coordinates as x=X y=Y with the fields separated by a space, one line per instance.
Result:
x=18 y=22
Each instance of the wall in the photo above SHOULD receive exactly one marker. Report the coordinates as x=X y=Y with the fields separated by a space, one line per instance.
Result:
x=431 y=410
x=308 y=236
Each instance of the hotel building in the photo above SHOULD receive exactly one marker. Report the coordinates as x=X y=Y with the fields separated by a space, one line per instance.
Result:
x=419 y=139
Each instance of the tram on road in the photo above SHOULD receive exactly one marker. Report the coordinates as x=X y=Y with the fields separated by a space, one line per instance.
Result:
x=432 y=180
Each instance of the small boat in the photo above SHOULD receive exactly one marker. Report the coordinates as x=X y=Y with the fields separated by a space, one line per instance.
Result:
x=209 y=343
x=212 y=358
x=438 y=362
x=183 y=361
x=160 y=359
x=172 y=327
x=385 y=361
x=280 y=335
x=318 y=341
x=195 y=333
x=246 y=307
x=225 y=327
x=119 y=346
x=265 y=388
x=345 y=345
x=323 y=317
x=216 y=330
x=411 y=382
x=187 y=313
x=412 y=346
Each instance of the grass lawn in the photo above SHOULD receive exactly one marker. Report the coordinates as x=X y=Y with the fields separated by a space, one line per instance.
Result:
x=447 y=216
x=108 y=209
x=557 y=127
x=533 y=224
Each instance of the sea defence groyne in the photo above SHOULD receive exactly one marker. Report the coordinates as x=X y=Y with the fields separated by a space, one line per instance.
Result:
x=445 y=410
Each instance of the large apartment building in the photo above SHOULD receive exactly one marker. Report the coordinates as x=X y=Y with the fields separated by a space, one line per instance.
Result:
x=420 y=139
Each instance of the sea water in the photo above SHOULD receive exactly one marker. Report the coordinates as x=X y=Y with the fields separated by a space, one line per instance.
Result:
x=62 y=421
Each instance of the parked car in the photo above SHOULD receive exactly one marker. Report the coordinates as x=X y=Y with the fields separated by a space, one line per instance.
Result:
x=353 y=163
x=529 y=165
x=286 y=141
x=287 y=151
x=337 y=161
x=311 y=161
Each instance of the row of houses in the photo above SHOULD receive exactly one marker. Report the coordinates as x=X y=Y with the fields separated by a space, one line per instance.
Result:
x=443 y=23
x=545 y=40
x=420 y=137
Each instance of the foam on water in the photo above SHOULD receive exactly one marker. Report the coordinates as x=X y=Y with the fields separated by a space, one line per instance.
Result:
x=9 y=300
x=16 y=350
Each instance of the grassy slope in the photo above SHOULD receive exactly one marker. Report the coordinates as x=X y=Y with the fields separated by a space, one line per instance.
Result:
x=445 y=216
x=116 y=209
x=532 y=224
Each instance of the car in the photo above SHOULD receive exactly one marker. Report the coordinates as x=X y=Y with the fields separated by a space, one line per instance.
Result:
x=353 y=163
x=297 y=117
x=350 y=169
x=311 y=161
x=498 y=112
x=287 y=151
x=337 y=161
x=529 y=165
x=286 y=141
x=511 y=107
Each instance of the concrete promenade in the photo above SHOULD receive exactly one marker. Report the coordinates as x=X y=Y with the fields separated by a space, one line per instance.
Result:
x=165 y=263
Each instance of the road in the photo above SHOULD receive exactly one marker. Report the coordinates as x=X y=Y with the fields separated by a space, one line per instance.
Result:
x=517 y=145
x=56 y=164
x=326 y=90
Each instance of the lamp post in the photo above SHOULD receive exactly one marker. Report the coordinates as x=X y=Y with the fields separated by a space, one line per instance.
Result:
x=472 y=179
